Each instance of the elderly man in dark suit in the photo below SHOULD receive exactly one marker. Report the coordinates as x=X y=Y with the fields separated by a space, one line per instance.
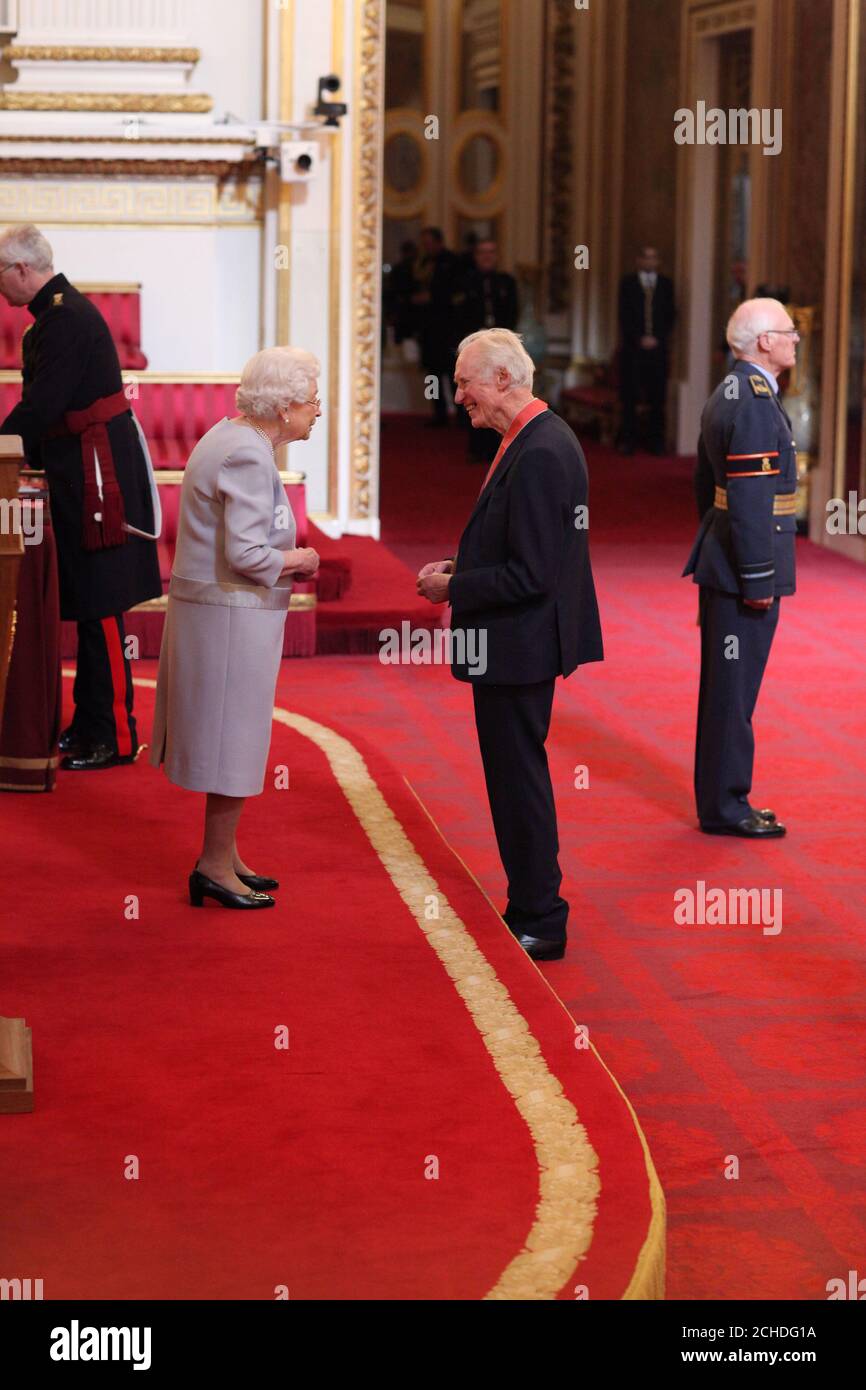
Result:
x=522 y=579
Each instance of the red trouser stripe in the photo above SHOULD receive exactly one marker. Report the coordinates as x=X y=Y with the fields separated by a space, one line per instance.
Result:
x=118 y=685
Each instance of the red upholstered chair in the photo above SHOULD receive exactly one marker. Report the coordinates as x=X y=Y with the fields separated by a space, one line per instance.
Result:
x=120 y=306
x=595 y=402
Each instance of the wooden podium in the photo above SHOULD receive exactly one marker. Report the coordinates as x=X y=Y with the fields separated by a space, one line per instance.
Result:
x=16 y=1052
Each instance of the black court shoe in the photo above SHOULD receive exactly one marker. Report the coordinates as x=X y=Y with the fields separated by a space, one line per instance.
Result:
x=201 y=887
x=258 y=882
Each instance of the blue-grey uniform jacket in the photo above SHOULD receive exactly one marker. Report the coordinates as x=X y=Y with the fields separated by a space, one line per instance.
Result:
x=745 y=482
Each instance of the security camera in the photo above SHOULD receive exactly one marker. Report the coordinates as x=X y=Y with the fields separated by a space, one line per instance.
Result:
x=331 y=110
x=297 y=161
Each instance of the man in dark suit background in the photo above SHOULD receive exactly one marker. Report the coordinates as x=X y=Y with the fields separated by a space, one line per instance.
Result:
x=487 y=299
x=522 y=579
x=438 y=328
x=646 y=319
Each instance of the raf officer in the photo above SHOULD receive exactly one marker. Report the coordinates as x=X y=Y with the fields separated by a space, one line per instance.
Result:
x=743 y=559
x=75 y=422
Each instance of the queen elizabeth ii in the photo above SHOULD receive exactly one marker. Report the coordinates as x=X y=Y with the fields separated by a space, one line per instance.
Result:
x=231 y=581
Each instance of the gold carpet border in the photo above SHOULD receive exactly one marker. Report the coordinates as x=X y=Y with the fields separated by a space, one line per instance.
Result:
x=648 y=1278
x=569 y=1185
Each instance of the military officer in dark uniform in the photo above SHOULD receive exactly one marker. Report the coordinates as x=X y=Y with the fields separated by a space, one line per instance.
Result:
x=75 y=422
x=743 y=559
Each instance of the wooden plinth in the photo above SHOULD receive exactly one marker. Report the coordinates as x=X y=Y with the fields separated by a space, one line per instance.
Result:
x=16 y=1067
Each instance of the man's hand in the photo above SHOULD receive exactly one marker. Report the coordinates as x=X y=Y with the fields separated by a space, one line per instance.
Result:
x=758 y=602
x=647 y=341
x=434 y=586
x=437 y=567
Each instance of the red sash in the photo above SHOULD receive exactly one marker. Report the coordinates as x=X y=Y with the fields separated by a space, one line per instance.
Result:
x=102 y=518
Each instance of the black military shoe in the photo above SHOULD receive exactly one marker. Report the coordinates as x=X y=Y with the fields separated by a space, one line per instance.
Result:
x=69 y=741
x=93 y=759
x=538 y=948
x=766 y=814
x=751 y=828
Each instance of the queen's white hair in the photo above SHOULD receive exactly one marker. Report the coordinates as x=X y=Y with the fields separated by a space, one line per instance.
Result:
x=502 y=350
x=24 y=242
x=275 y=378
x=748 y=321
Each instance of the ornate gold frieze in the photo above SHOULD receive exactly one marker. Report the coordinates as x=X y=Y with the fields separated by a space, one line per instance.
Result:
x=368 y=107
x=12 y=100
x=132 y=168
x=147 y=201
x=91 y=53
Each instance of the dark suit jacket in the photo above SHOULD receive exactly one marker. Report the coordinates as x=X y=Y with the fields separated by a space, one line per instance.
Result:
x=522 y=572
x=631 y=310
x=495 y=293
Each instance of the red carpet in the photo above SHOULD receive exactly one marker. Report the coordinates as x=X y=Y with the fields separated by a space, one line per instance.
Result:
x=410 y=1044
x=729 y=1043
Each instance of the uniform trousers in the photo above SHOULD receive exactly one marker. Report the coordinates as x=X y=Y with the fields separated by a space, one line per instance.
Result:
x=512 y=723
x=731 y=675
x=103 y=687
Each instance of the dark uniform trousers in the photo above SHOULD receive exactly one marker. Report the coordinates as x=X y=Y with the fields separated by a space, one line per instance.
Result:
x=103 y=689
x=725 y=748
x=512 y=723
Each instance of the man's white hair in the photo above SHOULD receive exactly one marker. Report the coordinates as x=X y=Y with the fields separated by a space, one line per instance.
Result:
x=24 y=242
x=749 y=320
x=500 y=349
x=275 y=378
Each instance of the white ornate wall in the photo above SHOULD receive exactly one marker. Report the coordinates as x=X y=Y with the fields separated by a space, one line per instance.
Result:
x=129 y=132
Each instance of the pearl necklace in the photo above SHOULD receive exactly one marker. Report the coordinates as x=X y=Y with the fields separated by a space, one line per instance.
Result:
x=258 y=429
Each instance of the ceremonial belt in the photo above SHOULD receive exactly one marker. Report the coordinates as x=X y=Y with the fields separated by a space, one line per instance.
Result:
x=102 y=514
x=784 y=503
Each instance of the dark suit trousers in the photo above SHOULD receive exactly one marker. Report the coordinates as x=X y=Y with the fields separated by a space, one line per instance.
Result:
x=644 y=373
x=725 y=749
x=512 y=723
x=103 y=686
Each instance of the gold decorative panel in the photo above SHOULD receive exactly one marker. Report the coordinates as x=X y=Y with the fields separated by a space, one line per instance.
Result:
x=22 y=200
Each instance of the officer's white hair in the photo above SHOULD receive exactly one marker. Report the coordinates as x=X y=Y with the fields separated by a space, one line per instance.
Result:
x=749 y=320
x=500 y=349
x=274 y=379
x=24 y=242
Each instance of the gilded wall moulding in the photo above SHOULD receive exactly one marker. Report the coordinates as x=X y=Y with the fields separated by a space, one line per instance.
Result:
x=369 y=102
x=132 y=168
x=176 y=203
x=92 y=53
x=12 y=100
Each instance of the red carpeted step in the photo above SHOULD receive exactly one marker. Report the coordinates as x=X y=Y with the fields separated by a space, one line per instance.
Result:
x=383 y=596
x=351 y=1095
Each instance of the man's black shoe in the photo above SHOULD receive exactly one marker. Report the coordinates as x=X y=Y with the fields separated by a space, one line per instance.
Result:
x=752 y=828
x=94 y=759
x=69 y=741
x=538 y=948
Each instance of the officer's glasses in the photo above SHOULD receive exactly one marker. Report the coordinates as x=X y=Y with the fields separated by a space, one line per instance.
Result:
x=787 y=332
